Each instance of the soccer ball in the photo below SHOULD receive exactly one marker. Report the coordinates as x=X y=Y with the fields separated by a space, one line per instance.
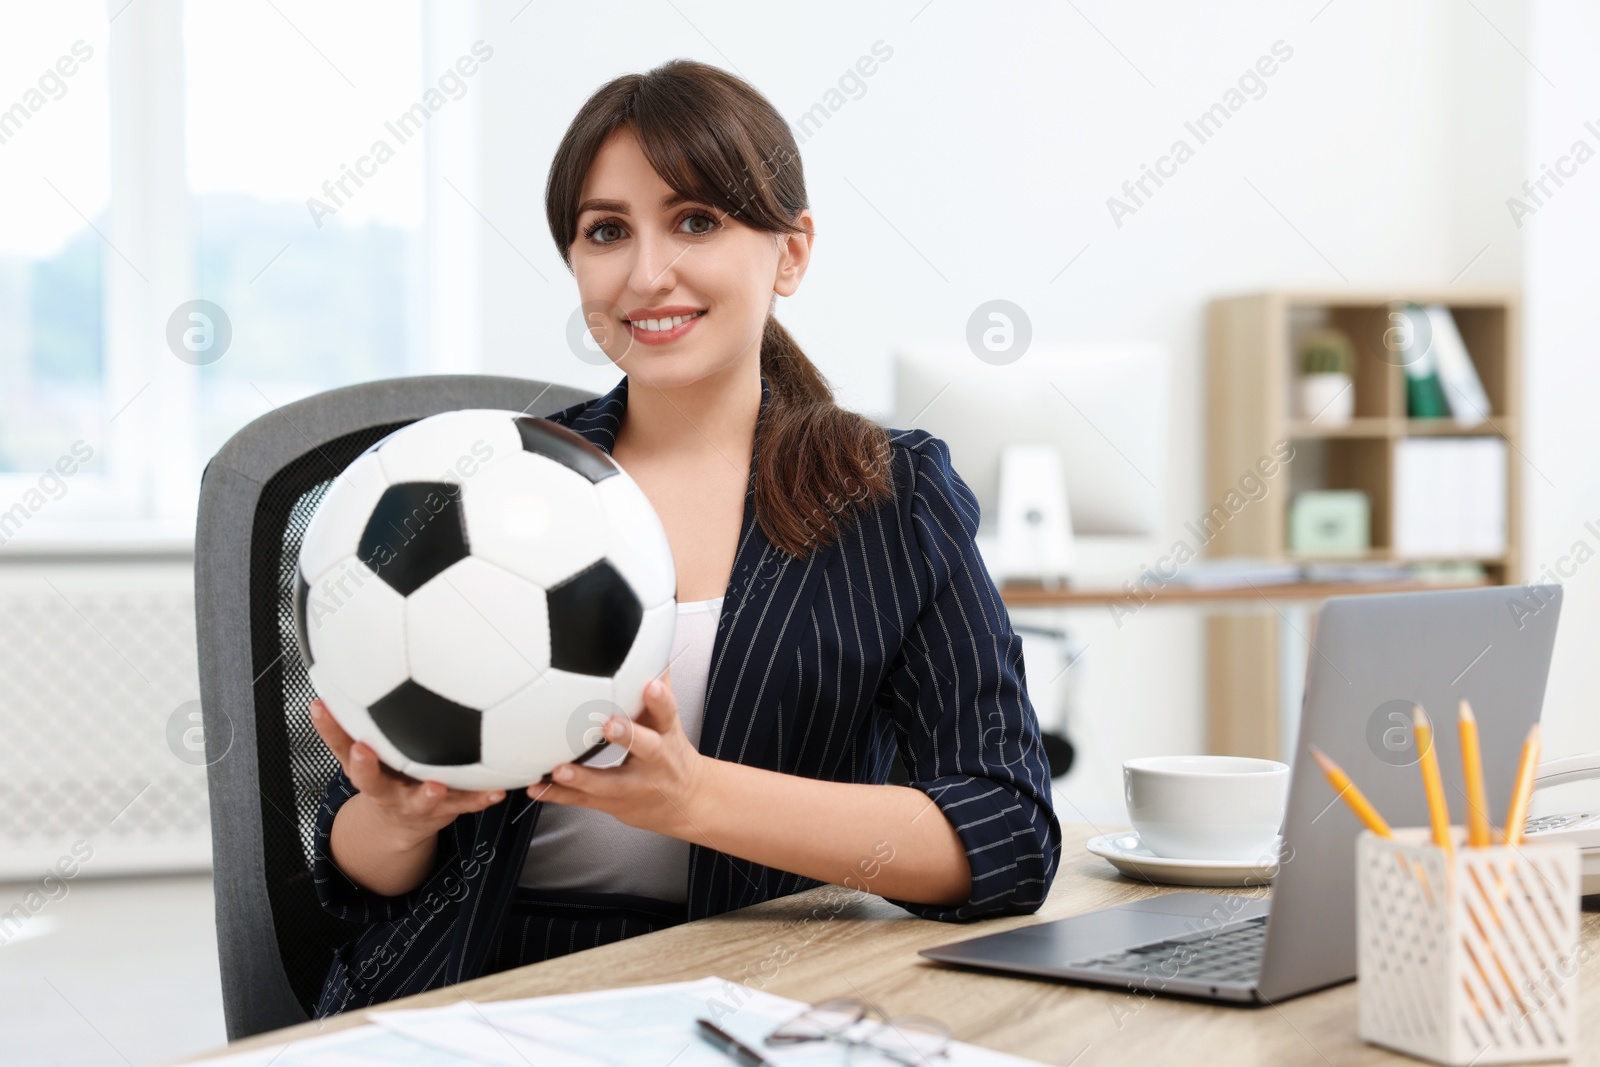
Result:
x=478 y=592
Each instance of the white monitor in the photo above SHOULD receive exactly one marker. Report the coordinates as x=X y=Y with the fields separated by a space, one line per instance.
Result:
x=1105 y=406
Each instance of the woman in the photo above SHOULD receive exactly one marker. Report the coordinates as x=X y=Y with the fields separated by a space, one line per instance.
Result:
x=833 y=611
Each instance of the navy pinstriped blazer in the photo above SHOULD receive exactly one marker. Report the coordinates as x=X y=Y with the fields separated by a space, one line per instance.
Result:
x=893 y=637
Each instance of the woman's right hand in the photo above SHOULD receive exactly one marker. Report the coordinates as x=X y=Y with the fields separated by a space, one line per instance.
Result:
x=416 y=810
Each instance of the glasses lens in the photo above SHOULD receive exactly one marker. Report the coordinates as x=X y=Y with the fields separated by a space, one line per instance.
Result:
x=824 y=1020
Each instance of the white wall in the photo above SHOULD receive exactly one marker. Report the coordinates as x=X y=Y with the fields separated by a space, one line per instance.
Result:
x=991 y=140
x=1563 y=373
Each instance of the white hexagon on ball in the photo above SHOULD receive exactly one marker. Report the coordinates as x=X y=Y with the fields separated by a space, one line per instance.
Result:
x=334 y=531
x=535 y=518
x=636 y=541
x=477 y=613
x=453 y=446
x=546 y=723
x=354 y=719
x=474 y=776
x=356 y=626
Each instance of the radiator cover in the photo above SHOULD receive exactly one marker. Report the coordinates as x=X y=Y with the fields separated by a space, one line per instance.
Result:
x=98 y=682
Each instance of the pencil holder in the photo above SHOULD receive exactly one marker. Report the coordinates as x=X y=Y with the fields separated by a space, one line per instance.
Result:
x=1471 y=957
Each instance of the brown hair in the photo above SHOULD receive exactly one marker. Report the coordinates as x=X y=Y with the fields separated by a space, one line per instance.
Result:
x=716 y=140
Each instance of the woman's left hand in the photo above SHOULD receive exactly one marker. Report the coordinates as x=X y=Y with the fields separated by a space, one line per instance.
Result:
x=653 y=788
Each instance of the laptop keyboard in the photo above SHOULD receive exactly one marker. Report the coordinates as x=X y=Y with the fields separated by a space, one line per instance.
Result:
x=1232 y=955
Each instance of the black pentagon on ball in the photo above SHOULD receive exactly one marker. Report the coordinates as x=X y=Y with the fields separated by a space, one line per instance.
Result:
x=572 y=450
x=427 y=727
x=594 y=617
x=416 y=531
x=302 y=593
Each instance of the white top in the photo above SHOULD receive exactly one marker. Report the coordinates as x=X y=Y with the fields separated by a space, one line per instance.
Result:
x=581 y=848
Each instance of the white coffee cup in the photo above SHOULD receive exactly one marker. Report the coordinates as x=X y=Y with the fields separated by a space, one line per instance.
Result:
x=1206 y=807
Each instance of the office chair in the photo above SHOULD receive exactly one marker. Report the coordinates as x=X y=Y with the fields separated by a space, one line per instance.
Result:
x=266 y=765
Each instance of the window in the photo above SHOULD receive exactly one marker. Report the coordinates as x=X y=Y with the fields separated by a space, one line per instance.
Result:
x=277 y=117
x=164 y=160
x=55 y=180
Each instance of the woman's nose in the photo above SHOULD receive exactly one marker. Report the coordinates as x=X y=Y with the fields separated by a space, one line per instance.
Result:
x=655 y=260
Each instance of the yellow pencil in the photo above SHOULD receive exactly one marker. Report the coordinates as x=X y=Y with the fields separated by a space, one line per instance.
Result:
x=1432 y=784
x=1478 y=834
x=1351 y=795
x=1522 y=791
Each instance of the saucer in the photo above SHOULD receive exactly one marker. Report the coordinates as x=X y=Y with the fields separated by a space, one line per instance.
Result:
x=1128 y=854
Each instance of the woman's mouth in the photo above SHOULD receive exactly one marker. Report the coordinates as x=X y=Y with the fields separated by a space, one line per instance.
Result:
x=663 y=330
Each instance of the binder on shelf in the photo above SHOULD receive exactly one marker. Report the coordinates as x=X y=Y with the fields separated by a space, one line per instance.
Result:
x=1463 y=390
x=1425 y=397
x=1450 y=498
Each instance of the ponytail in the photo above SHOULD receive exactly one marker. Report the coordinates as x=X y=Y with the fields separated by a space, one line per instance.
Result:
x=817 y=465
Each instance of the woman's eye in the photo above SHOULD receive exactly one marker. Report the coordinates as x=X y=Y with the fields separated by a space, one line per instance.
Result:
x=707 y=218
x=597 y=232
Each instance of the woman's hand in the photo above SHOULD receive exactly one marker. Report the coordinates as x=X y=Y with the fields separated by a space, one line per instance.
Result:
x=415 y=810
x=653 y=788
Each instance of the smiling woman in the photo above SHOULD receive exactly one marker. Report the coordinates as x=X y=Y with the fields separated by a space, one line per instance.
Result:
x=728 y=205
x=856 y=621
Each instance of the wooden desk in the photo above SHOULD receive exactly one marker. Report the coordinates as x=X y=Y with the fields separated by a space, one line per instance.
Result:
x=1034 y=596
x=856 y=945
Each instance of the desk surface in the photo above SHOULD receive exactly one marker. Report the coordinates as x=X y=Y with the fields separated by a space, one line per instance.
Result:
x=1026 y=596
x=857 y=945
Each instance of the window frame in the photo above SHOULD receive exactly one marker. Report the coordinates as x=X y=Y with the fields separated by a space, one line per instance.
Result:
x=147 y=487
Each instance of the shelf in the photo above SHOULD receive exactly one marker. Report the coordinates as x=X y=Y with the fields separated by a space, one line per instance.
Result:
x=1019 y=596
x=1380 y=427
x=1372 y=555
x=1372 y=426
x=1494 y=426
x=1366 y=297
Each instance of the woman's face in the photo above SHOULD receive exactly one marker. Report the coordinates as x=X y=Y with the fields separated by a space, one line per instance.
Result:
x=639 y=257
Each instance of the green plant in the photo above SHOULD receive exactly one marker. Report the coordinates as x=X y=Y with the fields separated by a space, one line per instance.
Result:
x=1326 y=351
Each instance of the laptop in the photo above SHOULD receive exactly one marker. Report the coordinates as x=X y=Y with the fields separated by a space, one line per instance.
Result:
x=1371 y=658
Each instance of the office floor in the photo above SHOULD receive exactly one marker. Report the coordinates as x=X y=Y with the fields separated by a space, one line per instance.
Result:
x=120 y=971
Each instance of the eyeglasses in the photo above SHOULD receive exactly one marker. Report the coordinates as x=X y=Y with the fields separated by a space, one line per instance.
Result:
x=907 y=1039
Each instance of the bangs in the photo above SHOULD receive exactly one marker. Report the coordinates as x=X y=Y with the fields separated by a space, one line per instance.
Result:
x=735 y=175
x=709 y=136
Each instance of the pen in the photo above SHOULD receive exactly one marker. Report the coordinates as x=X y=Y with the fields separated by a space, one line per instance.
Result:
x=1432 y=784
x=726 y=1042
x=1478 y=833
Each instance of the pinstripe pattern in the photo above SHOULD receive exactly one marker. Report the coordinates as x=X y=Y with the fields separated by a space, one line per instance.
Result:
x=892 y=638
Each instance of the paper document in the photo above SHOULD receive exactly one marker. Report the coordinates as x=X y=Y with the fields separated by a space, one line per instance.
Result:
x=1234 y=573
x=640 y=1024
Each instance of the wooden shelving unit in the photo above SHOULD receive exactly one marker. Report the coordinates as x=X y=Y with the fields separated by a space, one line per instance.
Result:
x=1250 y=407
x=1251 y=344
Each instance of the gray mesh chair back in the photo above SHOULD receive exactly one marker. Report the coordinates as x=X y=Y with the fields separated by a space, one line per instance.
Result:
x=267 y=768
